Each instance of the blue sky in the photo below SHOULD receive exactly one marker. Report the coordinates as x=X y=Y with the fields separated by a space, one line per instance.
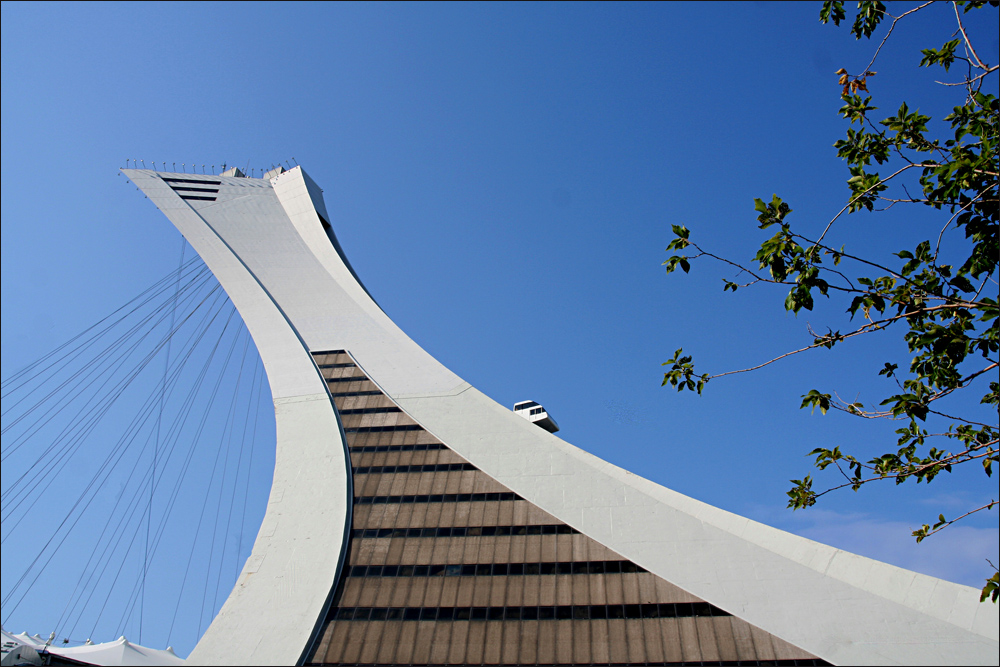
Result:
x=503 y=179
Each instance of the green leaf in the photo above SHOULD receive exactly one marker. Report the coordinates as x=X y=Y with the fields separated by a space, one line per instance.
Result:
x=833 y=10
x=991 y=589
x=815 y=399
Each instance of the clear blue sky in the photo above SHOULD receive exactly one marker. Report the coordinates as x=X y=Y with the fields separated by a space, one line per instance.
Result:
x=503 y=178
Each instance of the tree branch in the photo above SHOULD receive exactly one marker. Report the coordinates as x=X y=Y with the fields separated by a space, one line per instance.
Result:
x=942 y=526
x=858 y=197
x=873 y=325
x=953 y=459
x=969 y=82
x=895 y=19
x=968 y=43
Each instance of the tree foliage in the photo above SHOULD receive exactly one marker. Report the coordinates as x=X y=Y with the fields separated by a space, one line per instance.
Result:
x=940 y=295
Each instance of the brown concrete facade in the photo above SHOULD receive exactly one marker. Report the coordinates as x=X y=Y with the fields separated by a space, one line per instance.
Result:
x=446 y=566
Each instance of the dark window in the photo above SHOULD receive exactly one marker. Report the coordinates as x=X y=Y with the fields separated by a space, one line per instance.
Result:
x=384 y=429
x=191 y=180
x=702 y=609
x=352 y=378
x=562 y=612
x=398 y=448
x=457 y=531
x=368 y=411
x=431 y=467
x=179 y=189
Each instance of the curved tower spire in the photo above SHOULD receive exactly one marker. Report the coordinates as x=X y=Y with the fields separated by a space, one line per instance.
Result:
x=412 y=520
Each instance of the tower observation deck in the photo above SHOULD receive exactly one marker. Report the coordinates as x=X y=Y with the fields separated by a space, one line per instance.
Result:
x=413 y=520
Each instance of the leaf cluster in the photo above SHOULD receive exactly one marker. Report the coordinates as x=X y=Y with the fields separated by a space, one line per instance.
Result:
x=946 y=310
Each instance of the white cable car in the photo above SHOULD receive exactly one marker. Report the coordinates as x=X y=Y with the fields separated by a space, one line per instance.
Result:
x=536 y=414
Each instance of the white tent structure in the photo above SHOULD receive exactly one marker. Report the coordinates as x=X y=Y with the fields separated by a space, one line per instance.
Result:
x=119 y=652
x=20 y=650
x=23 y=649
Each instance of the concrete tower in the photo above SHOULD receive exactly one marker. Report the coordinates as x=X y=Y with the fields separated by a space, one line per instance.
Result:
x=412 y=520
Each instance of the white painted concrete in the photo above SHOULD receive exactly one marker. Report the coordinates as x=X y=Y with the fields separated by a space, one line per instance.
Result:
x=284 y=588
x=842 y=607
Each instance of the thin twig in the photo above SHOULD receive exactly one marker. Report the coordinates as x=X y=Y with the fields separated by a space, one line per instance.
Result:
x=937 y=247
x=968 y=43
x=969 y=82
x=894 y=20
x=875 y=325
x=954 y=459
x=894 y=274
x=855 y=199
x=844 y=406
x=987 y=506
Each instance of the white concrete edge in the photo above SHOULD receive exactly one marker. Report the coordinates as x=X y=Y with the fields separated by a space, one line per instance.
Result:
x=299 y=550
